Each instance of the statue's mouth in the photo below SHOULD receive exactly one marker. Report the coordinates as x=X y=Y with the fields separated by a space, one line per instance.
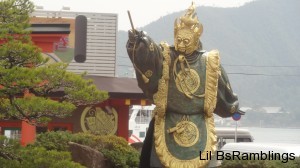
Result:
x=181 y=49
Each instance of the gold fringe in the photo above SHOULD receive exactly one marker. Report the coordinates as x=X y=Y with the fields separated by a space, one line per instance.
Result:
x=211 y=83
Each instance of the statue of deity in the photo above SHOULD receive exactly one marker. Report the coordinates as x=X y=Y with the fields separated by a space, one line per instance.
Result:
x=187 y=84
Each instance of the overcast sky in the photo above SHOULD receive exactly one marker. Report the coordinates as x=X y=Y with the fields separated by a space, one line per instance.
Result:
x=142 y=11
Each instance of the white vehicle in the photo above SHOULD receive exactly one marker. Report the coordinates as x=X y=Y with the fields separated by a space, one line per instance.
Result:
x=227 y=135
x=139 y=119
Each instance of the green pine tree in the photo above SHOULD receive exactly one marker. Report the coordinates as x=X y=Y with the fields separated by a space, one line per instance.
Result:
x=26 y=81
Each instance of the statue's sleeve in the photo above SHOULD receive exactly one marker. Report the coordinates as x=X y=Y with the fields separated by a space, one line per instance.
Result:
x=146 y=57
x=227 y=101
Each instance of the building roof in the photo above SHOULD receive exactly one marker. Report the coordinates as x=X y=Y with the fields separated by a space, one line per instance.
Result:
x=118 y=87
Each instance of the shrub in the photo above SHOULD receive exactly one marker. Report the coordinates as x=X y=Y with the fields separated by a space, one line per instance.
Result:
x=243 y=164
x=38 y=157
x=260 y=163
x=115 y=149
x=119 y=152
x=6 y=163
x=85 y=139
x=54 y=140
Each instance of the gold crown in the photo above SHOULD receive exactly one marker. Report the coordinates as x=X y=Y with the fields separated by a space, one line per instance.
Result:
x=189 y=21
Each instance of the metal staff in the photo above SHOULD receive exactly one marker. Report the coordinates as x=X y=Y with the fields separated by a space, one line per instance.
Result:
x=146 y=80
x=132 y=27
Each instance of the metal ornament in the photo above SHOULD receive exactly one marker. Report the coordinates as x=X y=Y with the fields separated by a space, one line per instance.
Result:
x=189 y=134
x=188 y=82
x=185 y=133
x=148 y=73
x=97 y=121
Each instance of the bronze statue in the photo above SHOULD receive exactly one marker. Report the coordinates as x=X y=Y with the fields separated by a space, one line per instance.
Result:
x=187 y=85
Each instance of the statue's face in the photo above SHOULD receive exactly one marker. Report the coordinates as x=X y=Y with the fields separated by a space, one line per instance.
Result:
x=185 y=42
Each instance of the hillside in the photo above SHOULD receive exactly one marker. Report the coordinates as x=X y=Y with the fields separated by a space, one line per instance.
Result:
x=259 y=41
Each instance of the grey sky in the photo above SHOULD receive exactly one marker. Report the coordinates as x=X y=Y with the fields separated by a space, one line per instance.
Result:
x=142 y=11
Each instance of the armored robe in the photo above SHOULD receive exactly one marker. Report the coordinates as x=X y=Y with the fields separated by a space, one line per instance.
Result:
x=186 y=90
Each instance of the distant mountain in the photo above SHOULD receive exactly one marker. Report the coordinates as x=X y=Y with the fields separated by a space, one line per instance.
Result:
x=259 y=46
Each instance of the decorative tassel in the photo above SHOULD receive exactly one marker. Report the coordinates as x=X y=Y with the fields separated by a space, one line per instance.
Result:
x=146 y=80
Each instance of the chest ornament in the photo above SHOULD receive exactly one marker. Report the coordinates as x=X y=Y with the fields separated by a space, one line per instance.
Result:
x=185 y=133
x=187 y=80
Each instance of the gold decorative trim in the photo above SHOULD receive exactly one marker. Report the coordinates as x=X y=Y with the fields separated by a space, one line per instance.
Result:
x=211 y=83
x=233 y=109
x=160 y=100
x=160 y=97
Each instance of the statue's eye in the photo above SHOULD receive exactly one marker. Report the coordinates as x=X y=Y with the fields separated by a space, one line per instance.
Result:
x=186 y=41
x=179 y=40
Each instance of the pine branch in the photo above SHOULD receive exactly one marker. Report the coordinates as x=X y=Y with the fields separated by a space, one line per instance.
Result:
x=11 y=100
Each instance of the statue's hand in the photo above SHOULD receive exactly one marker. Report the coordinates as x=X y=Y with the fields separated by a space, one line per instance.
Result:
x=138 y=36
x=134 y=35
x=240 y=112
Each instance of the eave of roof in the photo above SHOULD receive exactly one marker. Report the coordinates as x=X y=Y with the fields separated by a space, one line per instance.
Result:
x=118 y=87
x=46 y=28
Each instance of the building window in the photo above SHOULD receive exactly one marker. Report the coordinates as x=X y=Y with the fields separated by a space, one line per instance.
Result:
x=12 y=133
x=130 y=133
x=59 y=128
x=40 y=130
x=142 y=134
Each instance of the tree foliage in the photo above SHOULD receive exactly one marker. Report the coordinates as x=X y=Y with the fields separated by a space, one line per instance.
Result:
x=27 y=83
x=9 y=148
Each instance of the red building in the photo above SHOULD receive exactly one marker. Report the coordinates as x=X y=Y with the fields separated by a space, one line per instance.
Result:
x=108 y=117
